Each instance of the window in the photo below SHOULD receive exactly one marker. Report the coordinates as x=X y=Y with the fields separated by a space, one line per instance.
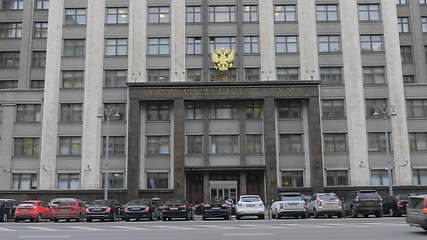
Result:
x=194 y=75
x=157 y=180
x=374 y=105
x=70 y=146
x=27 y=147
x=74 y=47
x=39 y=59
x=419 y=176
x=424 y=24
x=254 y=111
x=28 y=113
x=402 y=2
x=292 y=178
x=224 y=144
x=285 y=13
x=336 y=177
x=222 y=42
x=71 y=112
x=115 y=180
x=157 y=46
x=329 y=44
x=13 y=4
x=369 y=12
x=379 y=177
x=331 y=75
x=406 y=54
x=377 y=142
x=40 y=29
x=222 y=14
x=371 y=43
x=287 y=74
x=252 y=74
x=157 y=145
x=418 y=141
x=254 y=143
x=116 y=47
x=74 y=16
x=158 y=112
x=251 y=44
x=158 y=75
x=10 y=30
x=194 y=45
x=327 y=12
x=286 y=44
x=68 y=181
x=115 y=78
x=193 y=14
x=291 y=143
x=423 y=1
x=416 y=108
x=289 y=109
x=24 y=181
x=116 y=145
x=250 y=13
x=117 y=15
x=333 y=108
x=403 y=24
x=194 y=144
x=408 y=78
x=39 y=84
x=8 y=84
x=194 y=111
x=223 y=111
x=72 y=79
x=373 y=75
x=158 y=15
x=223 y=76
x=114 y=108
x=42 y=4
x=335 y=142
x=9 y=59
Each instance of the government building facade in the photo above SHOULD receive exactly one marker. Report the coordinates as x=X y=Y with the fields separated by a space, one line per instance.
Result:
x=201 y=99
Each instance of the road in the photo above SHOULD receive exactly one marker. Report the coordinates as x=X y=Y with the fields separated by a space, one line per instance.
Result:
x=295 y=229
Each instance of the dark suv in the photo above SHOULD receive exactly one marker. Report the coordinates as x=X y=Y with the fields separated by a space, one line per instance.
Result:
x=364 y=202
x=102 y=210
x=7 y=209
x=395 y=206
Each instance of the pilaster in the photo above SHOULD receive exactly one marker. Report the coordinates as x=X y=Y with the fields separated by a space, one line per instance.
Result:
x=266 y=39
x=137 y=54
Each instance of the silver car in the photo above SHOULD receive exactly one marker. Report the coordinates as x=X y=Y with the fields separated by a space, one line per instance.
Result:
x=327 y=204
x=288 y=204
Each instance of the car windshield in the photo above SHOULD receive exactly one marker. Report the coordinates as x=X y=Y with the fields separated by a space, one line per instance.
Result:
x=292 y=198
x=328 y=197
x=27 y=204
x=368 y=194
x=175 y=202
x=403 y=197
x=64 y=203
x=250 y=199
x=140 y=202
x=100 y=202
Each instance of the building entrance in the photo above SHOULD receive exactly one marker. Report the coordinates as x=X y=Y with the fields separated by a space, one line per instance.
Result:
x=223 y=190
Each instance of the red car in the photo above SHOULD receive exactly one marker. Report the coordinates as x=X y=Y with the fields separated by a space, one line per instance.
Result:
x=32 y=210
x=67 y=209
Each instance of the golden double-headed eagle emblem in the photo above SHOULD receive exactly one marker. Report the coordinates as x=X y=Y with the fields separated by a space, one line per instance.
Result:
x=222 y=59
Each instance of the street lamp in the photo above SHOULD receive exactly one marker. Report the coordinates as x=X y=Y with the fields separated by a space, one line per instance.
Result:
x=386 y=114
x=109 y=111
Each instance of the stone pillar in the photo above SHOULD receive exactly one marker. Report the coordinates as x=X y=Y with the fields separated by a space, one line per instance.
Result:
x=315 y=145
x=179 y=148
x=177 y=41
x=418 y=41
x=270 y=149
x=243 y=182
x=134 y=144
x=306 y=141
x=242 y=132
x=206 y=190
x=93 y=87
x=396 y=92
x=267 y=41
x=26 y=53
x=6 y=144
x=355 y=102
x=49 y=139
x=137 y=54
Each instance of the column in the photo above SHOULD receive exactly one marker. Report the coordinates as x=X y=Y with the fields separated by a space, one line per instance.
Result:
x=177 y=41
x=396 y=92
x=315 y=144
x=417 y=41
x=134 y=147
x=26 y=53
x=6 y=144
x=179 y=148
x=137 y=54
x=270 y=149
x=355 y=102
x=49 y=140
x=267 y=40
x=243 y=183
x=306 y=141
x=93 y=107
x=206 y=190
x=307 y=28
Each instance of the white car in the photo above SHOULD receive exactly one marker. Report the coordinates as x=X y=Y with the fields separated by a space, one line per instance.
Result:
x=288 y=204
x=250 y=205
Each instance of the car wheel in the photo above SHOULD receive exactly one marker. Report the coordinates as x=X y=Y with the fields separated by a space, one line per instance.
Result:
x=339 y=215
x=16 y=220
x=227 y=218
x=330 y=216
x=273 y=216
x=127 y=219
x=353 y=212
x=378 y=214
x=304 y=216
x=237 y=217
x=261 y=217
x=56 y=220
x=315 y=214
x=88 y=219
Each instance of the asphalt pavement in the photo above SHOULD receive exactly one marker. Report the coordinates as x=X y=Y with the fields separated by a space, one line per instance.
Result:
x=295 y=229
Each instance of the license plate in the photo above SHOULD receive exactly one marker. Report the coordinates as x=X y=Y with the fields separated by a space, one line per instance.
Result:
x=293 y=204
x=135 y=209
x=63 y=210
x=24 y=210
x=250 y=205
x=96 y=209
x=215 y=208
x=174 y=208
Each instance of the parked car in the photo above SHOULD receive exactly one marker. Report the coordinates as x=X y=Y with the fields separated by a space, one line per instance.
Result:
x=216 y=209
x=7 y=209
x=327 y=204
x=33 y=211
x=364 y=202
x=140 y=208
x=250 y=205
x=395 y=206
x=417 y=211
x=102 y=210
x=289 y=204
x=67 y=209
x=177 y=209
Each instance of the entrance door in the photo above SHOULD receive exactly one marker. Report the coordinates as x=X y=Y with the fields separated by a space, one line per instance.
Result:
x=223 y=190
